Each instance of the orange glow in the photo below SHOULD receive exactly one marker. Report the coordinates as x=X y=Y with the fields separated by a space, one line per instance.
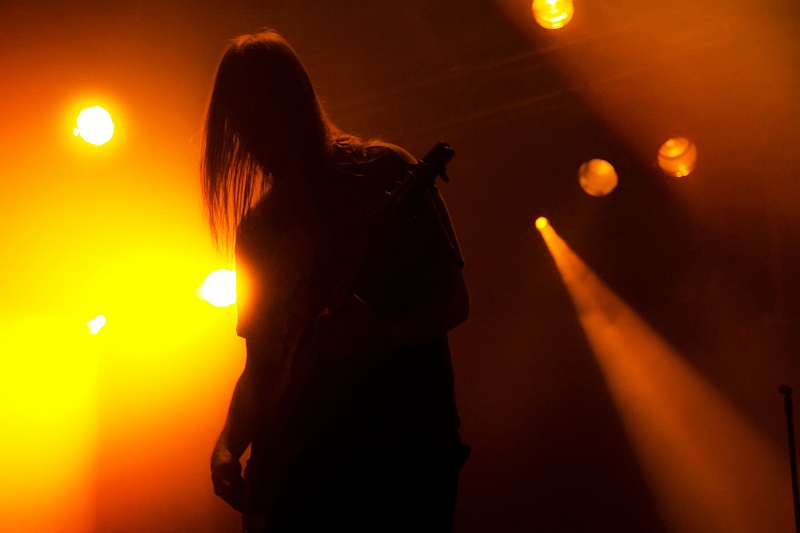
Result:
x=167 y=377
x=553 y=14
x=219 y=288
x=48 y=371
x=709 y=467
x=116 y=232
x=597 y=177
x=103 y=432
x=541 y=223
x=677 y=157
x=95 y=125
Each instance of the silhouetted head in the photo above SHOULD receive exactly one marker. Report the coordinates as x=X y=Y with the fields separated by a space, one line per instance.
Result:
x=264 y=124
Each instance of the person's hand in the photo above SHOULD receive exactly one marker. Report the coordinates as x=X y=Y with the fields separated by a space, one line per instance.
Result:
x=226 y=475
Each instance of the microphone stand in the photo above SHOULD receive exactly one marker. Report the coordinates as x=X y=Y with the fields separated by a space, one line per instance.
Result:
x=787 y=403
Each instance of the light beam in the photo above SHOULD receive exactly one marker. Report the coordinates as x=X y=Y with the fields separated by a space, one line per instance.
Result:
x=709 y=467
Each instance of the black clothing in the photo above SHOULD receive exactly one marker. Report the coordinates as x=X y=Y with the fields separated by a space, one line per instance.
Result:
x=374 y=442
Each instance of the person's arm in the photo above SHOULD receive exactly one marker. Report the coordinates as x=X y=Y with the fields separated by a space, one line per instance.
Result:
x=246 y=412
x=226 y=469
x=270 y=340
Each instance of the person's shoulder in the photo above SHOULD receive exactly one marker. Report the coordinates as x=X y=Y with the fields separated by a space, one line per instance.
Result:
x=383 y=149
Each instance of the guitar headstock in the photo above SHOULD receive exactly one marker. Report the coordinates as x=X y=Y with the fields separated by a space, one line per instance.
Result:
x=436 y=160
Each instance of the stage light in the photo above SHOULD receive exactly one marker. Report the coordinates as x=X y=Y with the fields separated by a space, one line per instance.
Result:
x=597 y=177
x=219 y=288
x=552 y=14
x=677 y=157
x=95 y=125
x=96 y=324
x=541 y=223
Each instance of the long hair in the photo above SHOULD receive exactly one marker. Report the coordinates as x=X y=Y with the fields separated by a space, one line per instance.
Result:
x=264 y=124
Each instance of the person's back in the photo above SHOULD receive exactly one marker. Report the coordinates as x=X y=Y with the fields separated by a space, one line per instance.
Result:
x=359 y=424
x=347 y=395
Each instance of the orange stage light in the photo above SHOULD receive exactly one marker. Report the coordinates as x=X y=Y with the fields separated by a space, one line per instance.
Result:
x=553 y=14
x=96 y=324
x=95 y=125
x=677 y=157
x=219 y=288
x=597 y=177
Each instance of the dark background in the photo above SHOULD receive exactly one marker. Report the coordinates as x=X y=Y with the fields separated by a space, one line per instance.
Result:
x=710 y=261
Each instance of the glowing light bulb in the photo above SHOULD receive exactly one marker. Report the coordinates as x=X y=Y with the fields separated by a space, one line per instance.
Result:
x=96 y=324
x=541 y=223
x=95 y=125
x=219 y=288
x=552 y=14
x=677 y=157
x=597 y=177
